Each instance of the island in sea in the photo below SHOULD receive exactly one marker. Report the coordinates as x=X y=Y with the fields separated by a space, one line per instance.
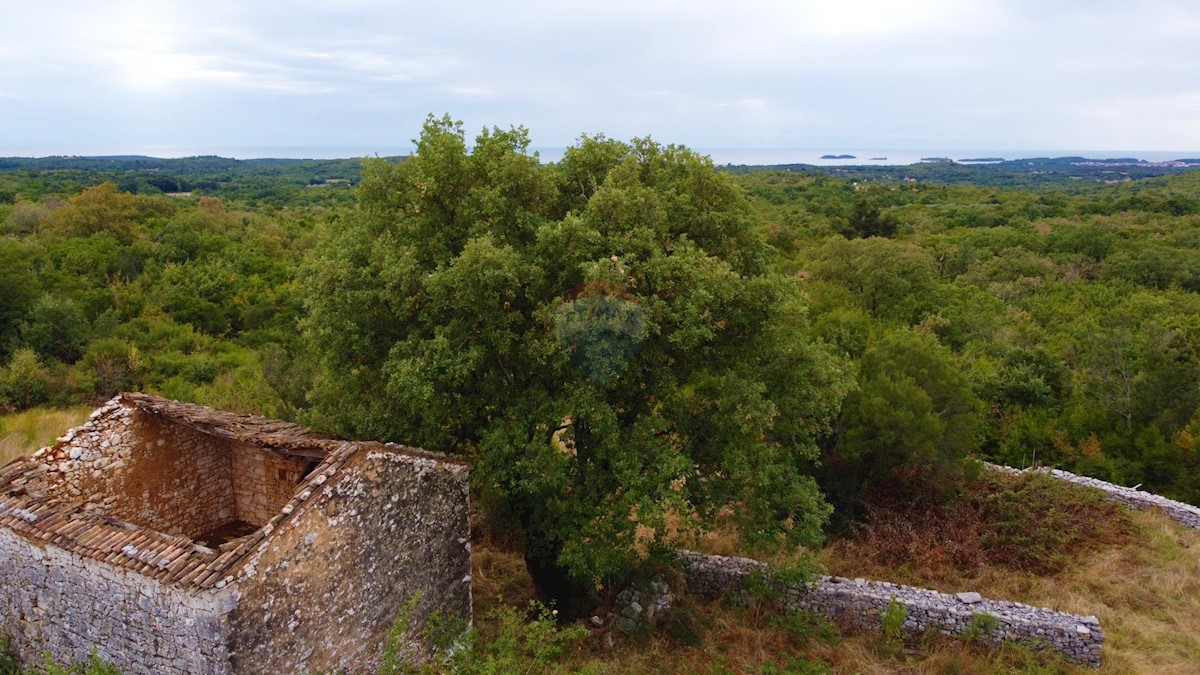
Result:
x=838 y=157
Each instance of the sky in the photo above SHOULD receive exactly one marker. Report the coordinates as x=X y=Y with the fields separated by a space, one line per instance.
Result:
x=339 y=77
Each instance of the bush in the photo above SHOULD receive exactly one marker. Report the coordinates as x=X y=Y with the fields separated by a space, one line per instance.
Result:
x=1030 y=523
x=892 y=624
x=982 y=627
x=94 y=665
x=805 y=627
x=25 y=382
x=114 y=366
x=8 y=661
x=519 y=642
x=57 y=329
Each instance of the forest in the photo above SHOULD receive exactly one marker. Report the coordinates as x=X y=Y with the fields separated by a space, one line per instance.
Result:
x=628 y=341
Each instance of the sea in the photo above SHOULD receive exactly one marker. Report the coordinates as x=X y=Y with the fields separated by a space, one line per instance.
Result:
x=827 y=156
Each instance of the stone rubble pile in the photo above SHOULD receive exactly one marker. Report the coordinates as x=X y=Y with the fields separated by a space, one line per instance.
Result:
x=860 y=604
x=637 y=609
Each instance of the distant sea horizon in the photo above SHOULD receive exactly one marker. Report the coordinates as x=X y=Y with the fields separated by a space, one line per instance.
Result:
x=719 y=156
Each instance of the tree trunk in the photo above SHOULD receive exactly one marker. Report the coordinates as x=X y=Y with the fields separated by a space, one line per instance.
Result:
x=556 y=588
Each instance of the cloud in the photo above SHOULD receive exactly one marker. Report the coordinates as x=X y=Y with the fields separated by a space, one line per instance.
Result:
x=797 y=73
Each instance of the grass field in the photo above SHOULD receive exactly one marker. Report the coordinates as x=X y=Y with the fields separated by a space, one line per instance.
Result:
x=24 y=432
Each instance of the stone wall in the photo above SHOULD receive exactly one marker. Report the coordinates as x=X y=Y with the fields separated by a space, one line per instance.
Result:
x=324 y=589
x=54 y=597
x=150 y=472
x=166 y=476
x=860 y=604
x=263 y=482
x=1182 y=513
x=175 y=480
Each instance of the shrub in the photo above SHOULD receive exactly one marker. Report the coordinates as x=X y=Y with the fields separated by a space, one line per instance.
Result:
x=8 y=661
x=683 y=626
x=94 y=665
x=518 y=642
x=25 y=382
x=893 y=623
x=981 y=627
x=57 y=329
x=804 y=627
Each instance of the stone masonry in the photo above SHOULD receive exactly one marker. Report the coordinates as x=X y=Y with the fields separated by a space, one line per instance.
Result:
x=69 y=604
x=173 y=538
x=860 y=604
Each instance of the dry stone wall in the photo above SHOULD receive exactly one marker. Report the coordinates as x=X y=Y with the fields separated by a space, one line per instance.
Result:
x=174 y=480
x=860 y=604
x=1182 y=513
x=166 y=476
x=51 y=597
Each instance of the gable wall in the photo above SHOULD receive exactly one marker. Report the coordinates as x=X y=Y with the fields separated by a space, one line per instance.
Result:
x=322 y=592
x=177 y=480
x=151 y=472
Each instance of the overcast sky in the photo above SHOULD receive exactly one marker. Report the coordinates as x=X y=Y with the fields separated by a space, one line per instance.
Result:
x=115 y=76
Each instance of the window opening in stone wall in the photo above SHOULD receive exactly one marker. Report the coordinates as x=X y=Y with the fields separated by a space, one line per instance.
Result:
x=312 y=466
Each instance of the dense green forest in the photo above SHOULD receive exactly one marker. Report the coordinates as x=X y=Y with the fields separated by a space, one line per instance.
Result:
x=1057 y=323
x=1075 y=174
x=275 y=182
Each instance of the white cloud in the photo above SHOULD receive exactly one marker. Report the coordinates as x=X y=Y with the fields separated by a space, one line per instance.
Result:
x=1134 y=122
x=784 y=72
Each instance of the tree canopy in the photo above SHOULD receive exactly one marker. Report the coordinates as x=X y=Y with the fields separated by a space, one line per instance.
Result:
x=602 y=336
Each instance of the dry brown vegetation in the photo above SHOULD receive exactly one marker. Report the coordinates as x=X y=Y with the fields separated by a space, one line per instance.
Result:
x=1145 y=590
x=1031 y=524
x=1049 y=544
x=1138 y=572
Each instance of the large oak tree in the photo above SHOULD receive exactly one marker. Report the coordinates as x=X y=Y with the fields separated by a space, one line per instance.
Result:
x=601 y=336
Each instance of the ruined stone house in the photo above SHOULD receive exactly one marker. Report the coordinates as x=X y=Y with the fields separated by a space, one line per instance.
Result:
x=173 y=538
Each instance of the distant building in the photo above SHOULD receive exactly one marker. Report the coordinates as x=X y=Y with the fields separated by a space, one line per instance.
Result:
x=173 y=538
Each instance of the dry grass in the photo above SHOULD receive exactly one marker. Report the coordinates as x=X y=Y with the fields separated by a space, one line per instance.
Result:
x=710 y=637
x=1139 y=573
x=24 y=432
x=1145 y=591
x=867 y=655
x=1147 y=595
